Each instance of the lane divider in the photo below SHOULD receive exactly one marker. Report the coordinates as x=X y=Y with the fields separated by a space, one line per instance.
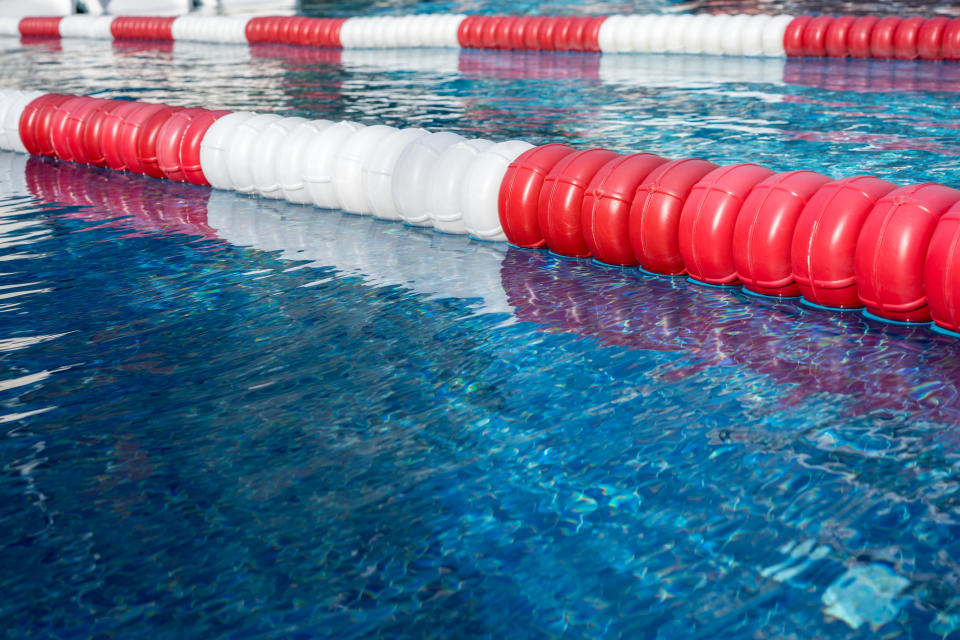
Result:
x=718 y=34
x=854 y=243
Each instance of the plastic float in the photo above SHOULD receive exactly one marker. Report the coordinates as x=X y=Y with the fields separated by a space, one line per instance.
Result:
x=852 y=243
x=716 y=34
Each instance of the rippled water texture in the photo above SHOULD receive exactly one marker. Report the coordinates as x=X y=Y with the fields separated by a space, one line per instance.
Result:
x=222 y=416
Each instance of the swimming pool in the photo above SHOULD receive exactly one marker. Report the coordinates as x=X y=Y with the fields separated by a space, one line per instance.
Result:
x=226 y=416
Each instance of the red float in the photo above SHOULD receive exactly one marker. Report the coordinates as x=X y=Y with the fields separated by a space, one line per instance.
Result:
x=488 y=34
x=310 y=32
x=793 y=36
x=469 y=30
x=164 y=28
x=605 y=214
x=708 y=219
x=334 y=32
x=26 y=124
x=518 y=32
x=579 y=34
x=836 y=41
x=950 y=45
x=531 y=36
x=34 y=125
x=483 y=31
x=591 y=33
x=110 y=134
x=254 y=29
x=479 y=30
x=519 y=194
x=502 y=32
x=655 y=214
x=190 y=146
x=815 y=36
x=906 y=38
x=547 y=33
x=307 y=32
x=60 y=127
x=272 y=28
x=267 y=28
x=763 y=234
x=575 y=34
x=288 y=29
x=91 y=129
x=299 y=30
x=169 y=141
x=315 y=33
x=892 y=249
x=138 y=138
x=930 y=38
x=859 y=35
x=561 y=201
x=41 y=27
x=941 y=270
x=123 y=27
x=881 y=37
x=282 y=33
x=825 y=240
x=564 y=34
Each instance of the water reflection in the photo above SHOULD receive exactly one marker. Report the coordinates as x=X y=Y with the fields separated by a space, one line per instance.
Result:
x=380 y=253
x=864 y=75
x=810 y=351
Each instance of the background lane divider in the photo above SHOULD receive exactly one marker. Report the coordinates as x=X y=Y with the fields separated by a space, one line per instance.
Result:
x=717 y=34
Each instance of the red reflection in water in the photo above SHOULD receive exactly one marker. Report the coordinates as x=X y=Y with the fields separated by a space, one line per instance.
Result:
x=812 y=352
x=122 y=200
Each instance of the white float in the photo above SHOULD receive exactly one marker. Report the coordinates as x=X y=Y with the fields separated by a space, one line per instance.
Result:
x=481 y=189
x=348 y=166
x=378 y=171
x=85 y=26
x=752 y=35
x=291 y=156
x=266 y=157
x=694 y=34
x=242 y=148
x=319 y=163
x=444 y=195
x=713 y=34
x=213 y=158
x=12 y=104
x=411 y=175
x=674 y=33
x=607 y=36
x=773 y=33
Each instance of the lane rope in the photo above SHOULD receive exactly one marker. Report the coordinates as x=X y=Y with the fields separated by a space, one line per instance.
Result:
x=857 y=242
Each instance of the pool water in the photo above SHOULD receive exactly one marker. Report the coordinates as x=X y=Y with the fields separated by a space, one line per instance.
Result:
x=224 y=416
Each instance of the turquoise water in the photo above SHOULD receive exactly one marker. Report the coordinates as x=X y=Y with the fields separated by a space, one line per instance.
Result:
x=231 y=417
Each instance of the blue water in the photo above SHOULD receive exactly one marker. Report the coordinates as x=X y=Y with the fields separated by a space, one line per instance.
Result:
x=230 y=417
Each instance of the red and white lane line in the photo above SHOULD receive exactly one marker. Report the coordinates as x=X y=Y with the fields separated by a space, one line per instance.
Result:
x=718 y=34
x=857 y=242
